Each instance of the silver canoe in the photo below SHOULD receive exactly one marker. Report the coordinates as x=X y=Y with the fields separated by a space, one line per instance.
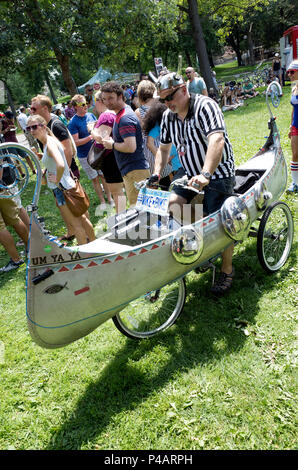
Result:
x=73 y=290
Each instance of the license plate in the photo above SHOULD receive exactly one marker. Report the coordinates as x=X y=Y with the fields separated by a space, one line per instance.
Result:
x=153 y=201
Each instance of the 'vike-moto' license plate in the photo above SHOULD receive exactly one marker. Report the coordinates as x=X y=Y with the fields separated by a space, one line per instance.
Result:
x=153 y=201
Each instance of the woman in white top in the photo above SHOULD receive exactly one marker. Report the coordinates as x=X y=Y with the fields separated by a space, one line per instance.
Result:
x=57 y=173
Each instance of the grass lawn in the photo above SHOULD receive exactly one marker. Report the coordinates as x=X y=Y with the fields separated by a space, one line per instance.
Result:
x=223 y=377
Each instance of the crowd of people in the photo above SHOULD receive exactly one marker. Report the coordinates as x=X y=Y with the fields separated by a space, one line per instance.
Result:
x=155 y=131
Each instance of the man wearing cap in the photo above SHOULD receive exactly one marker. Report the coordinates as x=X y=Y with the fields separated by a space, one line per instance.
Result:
x=195 y=125
x=276 y=67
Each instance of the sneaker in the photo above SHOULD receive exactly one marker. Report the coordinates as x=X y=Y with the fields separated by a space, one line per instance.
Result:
x=100 y=209
x=293 y=188
x=11 y=265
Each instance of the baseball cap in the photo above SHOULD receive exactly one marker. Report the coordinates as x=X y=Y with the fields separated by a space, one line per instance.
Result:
x=293 y=65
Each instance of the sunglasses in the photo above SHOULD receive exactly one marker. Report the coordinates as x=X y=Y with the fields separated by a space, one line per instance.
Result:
x=169 y=97
x=33 y=127
x=187 y=73
x=33 y=108
x=81 y=105
x=291 y=72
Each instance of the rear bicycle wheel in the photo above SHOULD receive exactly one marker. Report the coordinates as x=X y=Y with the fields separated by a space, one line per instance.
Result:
x=153 y=312
x=275 y=236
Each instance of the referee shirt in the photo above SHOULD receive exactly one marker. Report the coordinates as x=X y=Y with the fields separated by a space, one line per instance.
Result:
x=190 y=136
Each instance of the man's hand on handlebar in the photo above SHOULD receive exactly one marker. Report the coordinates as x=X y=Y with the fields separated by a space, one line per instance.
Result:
x=198 y=182
x=153 y=180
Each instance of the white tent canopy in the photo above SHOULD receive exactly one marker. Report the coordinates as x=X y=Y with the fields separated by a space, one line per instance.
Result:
x=103 y=76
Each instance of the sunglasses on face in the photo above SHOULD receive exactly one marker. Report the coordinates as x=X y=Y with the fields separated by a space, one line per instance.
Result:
x=291 y=72
x=81 y=105
x=187 y=73
x=169 y=97
x=33 y=108
x=33 y=127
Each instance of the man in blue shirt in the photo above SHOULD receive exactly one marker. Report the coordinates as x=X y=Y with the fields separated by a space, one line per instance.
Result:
x=195 y=84
x=78 y=127
x=127 y=140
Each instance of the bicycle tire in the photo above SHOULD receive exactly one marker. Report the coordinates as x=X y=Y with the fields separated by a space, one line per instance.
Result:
x=275 y=236
x=153 y=312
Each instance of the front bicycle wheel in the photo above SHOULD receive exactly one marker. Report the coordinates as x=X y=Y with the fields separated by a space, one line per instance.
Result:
x=153 y=312
x=275 y=236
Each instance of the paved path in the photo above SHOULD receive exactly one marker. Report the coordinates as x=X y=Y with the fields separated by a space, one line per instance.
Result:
x=22 y=140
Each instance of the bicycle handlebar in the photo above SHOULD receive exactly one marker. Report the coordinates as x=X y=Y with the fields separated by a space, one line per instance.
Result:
x=180 y=182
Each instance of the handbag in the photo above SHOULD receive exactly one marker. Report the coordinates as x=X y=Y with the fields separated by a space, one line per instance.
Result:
x=96 y=156
x=77 y=200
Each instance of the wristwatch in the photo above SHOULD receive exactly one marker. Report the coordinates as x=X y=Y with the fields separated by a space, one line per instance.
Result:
x=206 y=174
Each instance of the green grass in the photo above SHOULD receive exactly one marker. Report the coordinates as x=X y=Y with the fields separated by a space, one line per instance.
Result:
x=223 y=377
x=230 y=70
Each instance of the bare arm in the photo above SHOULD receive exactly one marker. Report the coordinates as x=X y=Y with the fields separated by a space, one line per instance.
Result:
x=151 y=145
x=82 y=141
x=53 y=152
x=216 y=144
x=67 y=147
x=128 y=146
x=161 y=157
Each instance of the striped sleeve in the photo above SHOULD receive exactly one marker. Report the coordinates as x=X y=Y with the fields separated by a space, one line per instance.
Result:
x=127 y=131
x=210 y=117
x=127 y=127
x=165 y=137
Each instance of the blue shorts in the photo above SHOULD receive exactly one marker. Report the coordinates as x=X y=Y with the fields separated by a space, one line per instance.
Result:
x=59 y=196
x=213 y=200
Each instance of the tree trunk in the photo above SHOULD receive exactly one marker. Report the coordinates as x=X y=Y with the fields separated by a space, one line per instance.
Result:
x=235 y=44
x=48 y=82
x=10 y=100
x=251 y=46
x=188 y=58
x=63 y=61
x=200 y=44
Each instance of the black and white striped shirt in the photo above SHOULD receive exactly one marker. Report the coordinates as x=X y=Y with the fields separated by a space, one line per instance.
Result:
x=190 y=136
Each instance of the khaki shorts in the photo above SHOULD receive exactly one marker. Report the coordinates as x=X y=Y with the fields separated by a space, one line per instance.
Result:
x=129 y=179
x=9 y=213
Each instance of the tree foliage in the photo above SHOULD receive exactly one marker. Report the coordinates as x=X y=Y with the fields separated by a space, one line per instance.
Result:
x=77 y=36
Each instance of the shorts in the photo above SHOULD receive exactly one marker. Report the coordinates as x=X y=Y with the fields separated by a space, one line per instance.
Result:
x=9 y=213
x=294 y=131
x=59 y=196
x=213 y=200
x=92 y=174
x=129 y=179
x=110 y=169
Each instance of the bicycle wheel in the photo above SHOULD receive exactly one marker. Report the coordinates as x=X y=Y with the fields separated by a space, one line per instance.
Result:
x=153 y=312
x=275 y=236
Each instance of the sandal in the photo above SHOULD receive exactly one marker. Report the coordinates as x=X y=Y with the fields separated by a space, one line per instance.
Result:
x=223 y=284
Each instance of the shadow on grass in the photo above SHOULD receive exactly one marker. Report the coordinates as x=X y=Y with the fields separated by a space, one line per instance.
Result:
x=122 y=385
